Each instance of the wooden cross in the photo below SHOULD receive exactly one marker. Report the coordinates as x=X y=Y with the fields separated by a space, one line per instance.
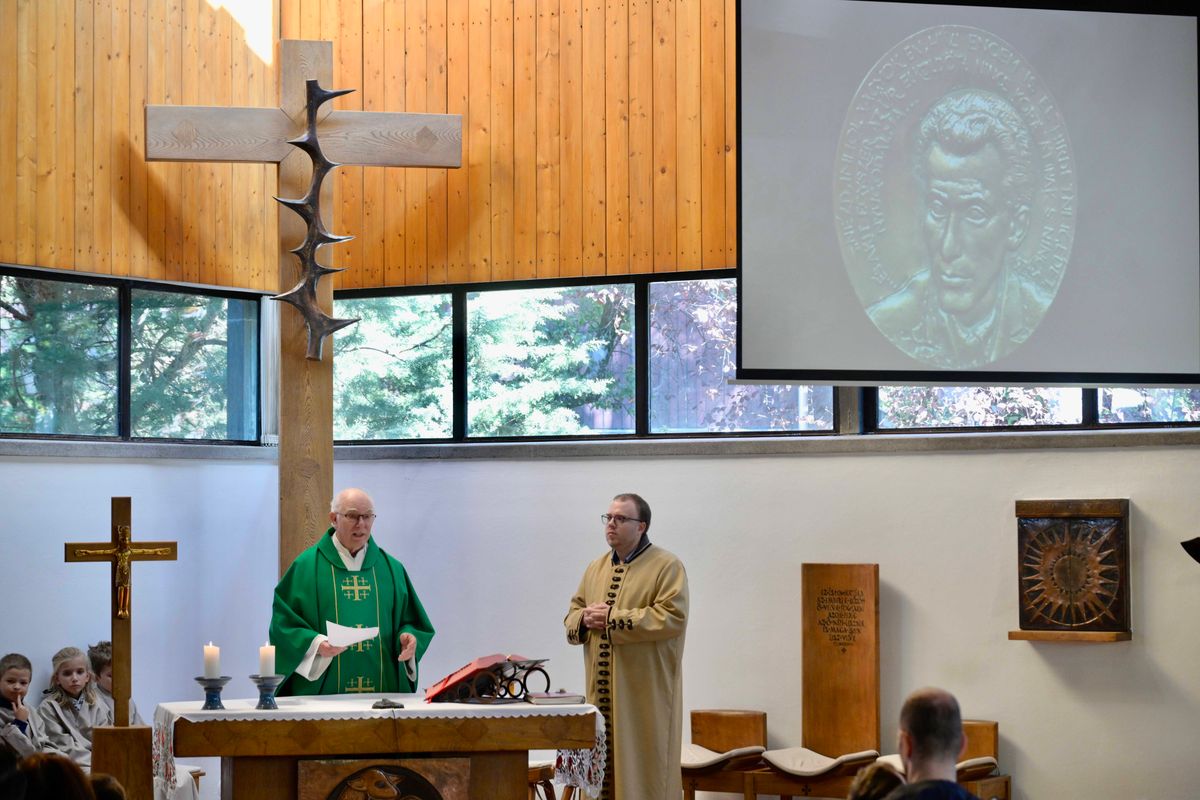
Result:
x=121 y=552
x=365 y=138
x=190 y=133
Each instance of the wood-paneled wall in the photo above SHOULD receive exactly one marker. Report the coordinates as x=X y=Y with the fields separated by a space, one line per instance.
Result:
x=78 y=74
x=598 y=138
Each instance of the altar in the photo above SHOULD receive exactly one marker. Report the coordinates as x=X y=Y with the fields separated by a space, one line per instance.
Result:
x=479 y=751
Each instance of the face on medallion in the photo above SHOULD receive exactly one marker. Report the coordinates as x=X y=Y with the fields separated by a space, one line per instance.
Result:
x=969 y=228
x=623 y=537
x=353 y=520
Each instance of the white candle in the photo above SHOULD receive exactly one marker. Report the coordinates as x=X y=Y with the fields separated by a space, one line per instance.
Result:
x=266 y=659
x=212 y=661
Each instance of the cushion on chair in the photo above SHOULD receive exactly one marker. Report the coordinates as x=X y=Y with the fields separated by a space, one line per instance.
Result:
x=968 y=770
x=807 y=763
x=975 y=768
x=696 y=757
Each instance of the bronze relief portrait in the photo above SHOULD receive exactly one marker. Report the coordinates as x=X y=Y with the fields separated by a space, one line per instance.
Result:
x=954 y=197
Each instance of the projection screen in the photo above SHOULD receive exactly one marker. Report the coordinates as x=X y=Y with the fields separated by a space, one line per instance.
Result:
x=967 y=194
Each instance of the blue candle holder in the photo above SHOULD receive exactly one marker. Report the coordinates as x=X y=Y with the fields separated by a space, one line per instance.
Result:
x=212 y=691
x=267 y=684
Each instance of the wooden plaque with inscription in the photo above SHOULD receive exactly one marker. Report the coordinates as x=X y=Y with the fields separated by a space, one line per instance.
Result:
x=1073 y=565
x=840 y=629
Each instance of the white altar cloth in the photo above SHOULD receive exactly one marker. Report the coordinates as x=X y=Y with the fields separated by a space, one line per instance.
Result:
x=358 y=706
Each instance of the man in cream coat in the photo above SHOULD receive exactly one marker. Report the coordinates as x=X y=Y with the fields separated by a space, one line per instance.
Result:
x=630 y=615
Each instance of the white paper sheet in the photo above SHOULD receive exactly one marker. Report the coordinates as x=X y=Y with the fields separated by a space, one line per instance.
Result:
x=341 y=636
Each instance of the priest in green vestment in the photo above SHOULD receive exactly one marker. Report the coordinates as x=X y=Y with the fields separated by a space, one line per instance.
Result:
x=347 y=579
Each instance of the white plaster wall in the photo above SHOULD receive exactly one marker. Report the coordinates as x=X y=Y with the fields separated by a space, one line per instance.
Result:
x=224 y=515
x=496 y=548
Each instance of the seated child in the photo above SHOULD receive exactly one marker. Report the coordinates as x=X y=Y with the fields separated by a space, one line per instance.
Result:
x=100 y=656
x=73 y=708
x=19 y=730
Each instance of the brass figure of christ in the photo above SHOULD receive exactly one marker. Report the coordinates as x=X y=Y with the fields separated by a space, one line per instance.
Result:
x=122 y=552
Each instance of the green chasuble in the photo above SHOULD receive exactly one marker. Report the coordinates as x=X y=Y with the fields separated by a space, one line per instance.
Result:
x=318 y=587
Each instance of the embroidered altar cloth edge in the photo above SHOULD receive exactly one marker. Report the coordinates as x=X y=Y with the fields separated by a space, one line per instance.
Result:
x=581 y=768
x=356 y=706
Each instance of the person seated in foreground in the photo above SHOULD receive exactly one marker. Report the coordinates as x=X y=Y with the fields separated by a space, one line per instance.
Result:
x=874 y=782
x=50 y=776
x=931 y=743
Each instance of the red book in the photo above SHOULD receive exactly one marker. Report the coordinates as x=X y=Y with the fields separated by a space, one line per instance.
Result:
x=480 y=677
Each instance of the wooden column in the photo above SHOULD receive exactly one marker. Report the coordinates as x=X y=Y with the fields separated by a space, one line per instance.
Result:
x=305 y=386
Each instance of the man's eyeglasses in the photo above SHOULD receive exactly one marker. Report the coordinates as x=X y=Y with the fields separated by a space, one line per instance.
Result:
x=354 y=517
x=617 y=518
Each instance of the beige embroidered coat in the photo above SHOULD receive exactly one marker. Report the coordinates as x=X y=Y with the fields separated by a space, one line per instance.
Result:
x=634 y=669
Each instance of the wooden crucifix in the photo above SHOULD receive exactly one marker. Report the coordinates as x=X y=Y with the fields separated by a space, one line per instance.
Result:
x=192 y=133
x=121 y=552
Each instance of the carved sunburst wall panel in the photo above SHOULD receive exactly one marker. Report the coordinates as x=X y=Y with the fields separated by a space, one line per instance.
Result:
x=1073 y=565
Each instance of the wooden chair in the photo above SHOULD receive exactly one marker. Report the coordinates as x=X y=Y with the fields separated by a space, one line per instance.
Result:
x=541 y=782
x=726 y=746
x=541 y=777
x=983 y=749
x=196 y=772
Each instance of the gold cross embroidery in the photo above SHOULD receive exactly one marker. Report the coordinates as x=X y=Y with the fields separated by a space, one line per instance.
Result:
x=355 y=588
x=361 y=645
x=360 y=685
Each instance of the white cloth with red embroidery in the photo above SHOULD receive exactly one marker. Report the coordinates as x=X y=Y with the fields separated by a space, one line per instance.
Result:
x=584 y=768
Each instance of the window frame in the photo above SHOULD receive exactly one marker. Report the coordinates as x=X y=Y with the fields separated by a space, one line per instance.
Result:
x=641 y=324
x=125 y=288
x=855 y=408
x=1090 y=419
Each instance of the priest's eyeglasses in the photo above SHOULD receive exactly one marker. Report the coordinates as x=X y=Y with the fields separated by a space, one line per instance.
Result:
x=617 y=518
x=354 y=517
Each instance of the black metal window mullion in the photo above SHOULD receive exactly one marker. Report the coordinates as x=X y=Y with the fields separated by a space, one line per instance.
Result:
x=458 y=316
x=1090 y=408
x=641 y=337
x=124 y=359
x=869 y=409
